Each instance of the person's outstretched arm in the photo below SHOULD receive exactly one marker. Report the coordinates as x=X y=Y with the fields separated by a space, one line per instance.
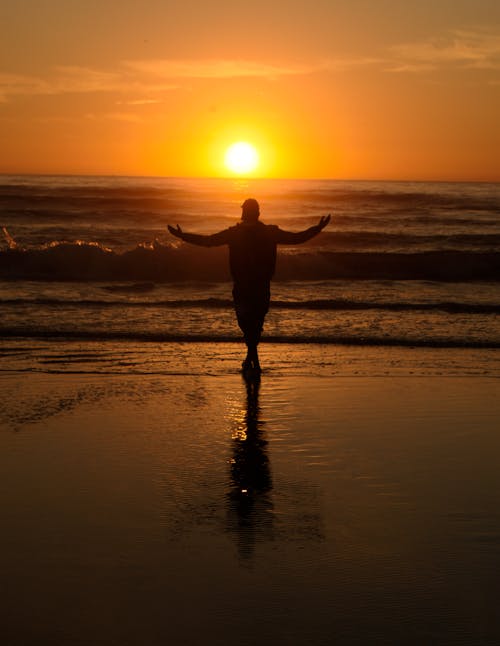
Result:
x=214 y=240
x=291 y=237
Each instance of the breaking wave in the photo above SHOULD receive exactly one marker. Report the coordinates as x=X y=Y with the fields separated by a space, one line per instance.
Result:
x=82 y=261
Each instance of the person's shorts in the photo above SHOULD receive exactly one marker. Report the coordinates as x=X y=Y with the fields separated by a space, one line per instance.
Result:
x=251 y=303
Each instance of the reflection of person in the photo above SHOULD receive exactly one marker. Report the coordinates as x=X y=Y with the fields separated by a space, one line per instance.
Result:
x=252 y=259
x=250 y=515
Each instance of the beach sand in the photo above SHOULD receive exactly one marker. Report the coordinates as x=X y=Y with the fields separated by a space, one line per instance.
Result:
x=341 y=505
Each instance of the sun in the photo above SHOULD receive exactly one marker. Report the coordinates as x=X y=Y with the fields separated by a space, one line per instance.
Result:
x=241 y=158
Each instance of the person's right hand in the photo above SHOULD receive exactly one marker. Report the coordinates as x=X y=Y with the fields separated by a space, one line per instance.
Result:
x=175 y=232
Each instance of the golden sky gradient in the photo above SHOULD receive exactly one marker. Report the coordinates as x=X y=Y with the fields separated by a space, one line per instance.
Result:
x=354 y=89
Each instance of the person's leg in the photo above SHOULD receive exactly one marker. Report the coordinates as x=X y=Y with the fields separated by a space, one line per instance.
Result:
x=247 y=326
x=252 y=340
x=251 y=304
x=254 y=357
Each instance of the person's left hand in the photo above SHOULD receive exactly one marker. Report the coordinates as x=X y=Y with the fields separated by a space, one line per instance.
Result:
x=323 y=221
x=175 y=232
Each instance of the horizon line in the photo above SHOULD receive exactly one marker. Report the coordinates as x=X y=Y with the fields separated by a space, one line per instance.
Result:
x=248 y=178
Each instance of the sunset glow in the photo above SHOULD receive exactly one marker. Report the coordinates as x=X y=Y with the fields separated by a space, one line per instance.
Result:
x=344 y=90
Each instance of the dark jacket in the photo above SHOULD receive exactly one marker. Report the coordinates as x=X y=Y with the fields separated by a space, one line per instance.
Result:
x=252 y=247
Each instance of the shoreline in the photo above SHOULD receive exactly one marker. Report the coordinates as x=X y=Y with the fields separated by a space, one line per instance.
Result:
x=122 y=357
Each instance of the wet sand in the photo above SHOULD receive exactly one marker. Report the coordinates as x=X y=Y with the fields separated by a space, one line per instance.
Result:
x=144 y=509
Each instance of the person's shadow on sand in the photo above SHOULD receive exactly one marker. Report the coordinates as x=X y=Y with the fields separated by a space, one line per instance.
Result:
x=249 y=505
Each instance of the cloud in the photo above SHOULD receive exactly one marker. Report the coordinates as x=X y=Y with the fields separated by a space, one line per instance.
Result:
x=62 y=80
x=213 y=69
x=140 y=102
x=146 y=78
x=18 y=84
x=150 y=77
x=79 y=80
x=127 y=117
x=228 y=69
x=72 y=79
x=461 y=48
x=142 y=82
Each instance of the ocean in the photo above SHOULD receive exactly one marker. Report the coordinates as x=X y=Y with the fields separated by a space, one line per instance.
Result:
x=151 y=494
x=89 y=259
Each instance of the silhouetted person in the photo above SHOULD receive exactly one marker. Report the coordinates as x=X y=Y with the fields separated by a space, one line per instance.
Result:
x=252 y=259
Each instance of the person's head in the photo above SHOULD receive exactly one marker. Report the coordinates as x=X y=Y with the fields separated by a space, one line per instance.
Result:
x=250 y=210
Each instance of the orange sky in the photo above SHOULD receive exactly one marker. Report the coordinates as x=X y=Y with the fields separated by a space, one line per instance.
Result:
x=375 y=90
